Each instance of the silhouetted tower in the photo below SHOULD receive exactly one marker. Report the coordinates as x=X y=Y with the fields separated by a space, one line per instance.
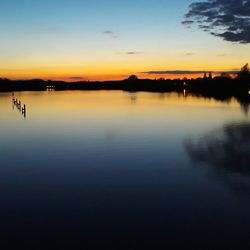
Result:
x=205 y=75
x=210 y=75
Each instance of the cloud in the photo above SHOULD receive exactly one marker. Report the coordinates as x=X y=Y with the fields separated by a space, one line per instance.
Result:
x=131 y=53
x=186 y=72
x=189 y=54
x=134 y=53
x=76 y=78
x=174 y=72
x=228 y=19
x=110 y=34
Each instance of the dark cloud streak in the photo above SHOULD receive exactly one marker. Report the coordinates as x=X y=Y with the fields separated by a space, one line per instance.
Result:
x=76 y=78
x=186 y=72
x=134 y=53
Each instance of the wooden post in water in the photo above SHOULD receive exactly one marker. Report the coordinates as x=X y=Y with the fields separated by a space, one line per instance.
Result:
x=24 y=110
x=18 y=104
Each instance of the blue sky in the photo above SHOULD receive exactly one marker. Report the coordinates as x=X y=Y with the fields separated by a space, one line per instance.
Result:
x=50 y=38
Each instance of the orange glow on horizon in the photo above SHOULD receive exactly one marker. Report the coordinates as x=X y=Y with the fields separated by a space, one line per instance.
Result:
x=104 y=66
x=101 y=77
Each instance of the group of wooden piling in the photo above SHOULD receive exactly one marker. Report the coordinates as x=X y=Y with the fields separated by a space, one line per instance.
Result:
x=18 y=104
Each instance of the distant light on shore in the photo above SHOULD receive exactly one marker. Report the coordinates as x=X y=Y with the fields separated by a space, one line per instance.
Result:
x=249 y=92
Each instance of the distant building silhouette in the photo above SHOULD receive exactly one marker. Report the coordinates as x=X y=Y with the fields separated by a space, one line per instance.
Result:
x=208 y=75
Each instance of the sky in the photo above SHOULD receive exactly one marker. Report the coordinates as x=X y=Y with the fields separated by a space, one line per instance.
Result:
x=109 y=39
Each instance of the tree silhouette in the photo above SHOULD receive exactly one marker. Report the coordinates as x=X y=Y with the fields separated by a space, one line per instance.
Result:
x=244 y=74
x=133 y=78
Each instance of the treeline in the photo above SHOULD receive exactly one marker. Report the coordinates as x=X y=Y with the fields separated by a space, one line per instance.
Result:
x=128 y=85
x=221 y=87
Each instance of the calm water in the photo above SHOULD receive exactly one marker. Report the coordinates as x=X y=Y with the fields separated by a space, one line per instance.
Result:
x=121 y=170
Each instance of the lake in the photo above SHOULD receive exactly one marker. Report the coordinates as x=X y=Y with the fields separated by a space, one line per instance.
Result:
x=119 y=170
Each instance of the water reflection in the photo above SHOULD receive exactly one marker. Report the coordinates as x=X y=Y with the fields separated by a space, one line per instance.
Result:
x=133 y=97
x=97 y=164
x=227 y=152
x=245 y=107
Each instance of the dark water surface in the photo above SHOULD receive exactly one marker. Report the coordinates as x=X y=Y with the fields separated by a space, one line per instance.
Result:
x=113 y=170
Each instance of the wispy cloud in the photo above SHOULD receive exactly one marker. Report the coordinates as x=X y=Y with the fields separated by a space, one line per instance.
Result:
x=134 y=53
x=131 y=53
x=76 y=78
x=186 y=72
x=189 y=54
x=228 y=19
x=110 y=34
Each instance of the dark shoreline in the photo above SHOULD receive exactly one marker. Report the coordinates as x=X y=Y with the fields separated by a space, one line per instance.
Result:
x=219 y=88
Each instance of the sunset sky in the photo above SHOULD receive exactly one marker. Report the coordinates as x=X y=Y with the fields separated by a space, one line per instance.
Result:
x=108 y=39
